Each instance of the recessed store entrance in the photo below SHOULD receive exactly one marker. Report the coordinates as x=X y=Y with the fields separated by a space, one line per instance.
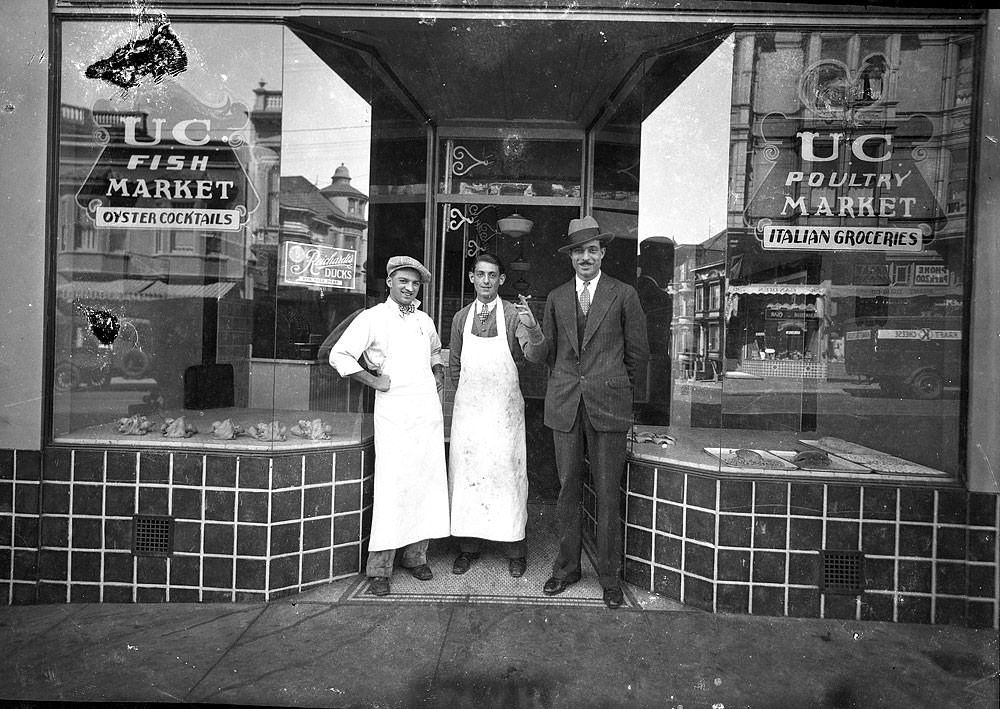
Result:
x=474 y=122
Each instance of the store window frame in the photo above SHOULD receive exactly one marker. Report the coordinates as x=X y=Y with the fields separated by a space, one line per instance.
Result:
x=429 y=235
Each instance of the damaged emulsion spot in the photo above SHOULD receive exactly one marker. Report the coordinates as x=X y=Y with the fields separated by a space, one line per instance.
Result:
x=103 y=323
x=155 y=57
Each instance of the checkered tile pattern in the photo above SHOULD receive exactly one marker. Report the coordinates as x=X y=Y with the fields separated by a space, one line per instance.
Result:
x=488 y=580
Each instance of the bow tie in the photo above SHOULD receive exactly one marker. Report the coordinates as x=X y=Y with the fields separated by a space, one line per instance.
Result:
x=407 y=309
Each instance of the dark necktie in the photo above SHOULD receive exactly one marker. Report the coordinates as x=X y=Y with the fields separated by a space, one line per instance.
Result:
x=484 y=312
x=585 y=297
x=407 y=309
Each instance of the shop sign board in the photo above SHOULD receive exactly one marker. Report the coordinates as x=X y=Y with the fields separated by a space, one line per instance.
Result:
x=169 y=174
x=788 y=313
x=304 y=264
x=930 y=275
x=924 y=333
x=856 y=184
x=871 y=274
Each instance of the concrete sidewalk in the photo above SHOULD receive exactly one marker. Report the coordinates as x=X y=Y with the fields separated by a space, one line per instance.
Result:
x=317 y=650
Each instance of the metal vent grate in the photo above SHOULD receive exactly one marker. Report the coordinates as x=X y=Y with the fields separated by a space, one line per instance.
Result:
x=843 y=572
x=152 y=535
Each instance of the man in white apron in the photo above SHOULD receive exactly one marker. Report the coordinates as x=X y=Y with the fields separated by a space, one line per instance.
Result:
x=487 y=475
x=399 y=342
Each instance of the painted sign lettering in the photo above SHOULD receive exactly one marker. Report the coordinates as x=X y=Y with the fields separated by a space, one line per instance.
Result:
x=317 y=265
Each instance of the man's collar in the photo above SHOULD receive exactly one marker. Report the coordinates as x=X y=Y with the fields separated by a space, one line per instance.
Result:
x=593 y=281
x=480 y=304
x=392 y=303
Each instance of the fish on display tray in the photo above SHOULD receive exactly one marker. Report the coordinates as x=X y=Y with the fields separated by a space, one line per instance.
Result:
x=741 y=459
x=819 y=460
x=870 y=458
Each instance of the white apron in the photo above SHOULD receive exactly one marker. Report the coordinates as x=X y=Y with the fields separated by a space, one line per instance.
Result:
x=488 y=479
x=411 y=481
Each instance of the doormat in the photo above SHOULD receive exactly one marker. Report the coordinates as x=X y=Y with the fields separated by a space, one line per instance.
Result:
x=489 y=581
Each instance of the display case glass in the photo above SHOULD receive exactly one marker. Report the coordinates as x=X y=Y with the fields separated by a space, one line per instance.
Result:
x=212 y=236
x=818 y=320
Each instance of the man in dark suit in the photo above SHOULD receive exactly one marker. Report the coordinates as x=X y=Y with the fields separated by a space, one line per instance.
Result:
x=595 y=331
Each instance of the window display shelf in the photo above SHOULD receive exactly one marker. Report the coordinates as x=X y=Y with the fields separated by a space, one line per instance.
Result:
x=622 y=205
x=348 y=429
x=689 y=453
x=398 y=199
x=507 y=199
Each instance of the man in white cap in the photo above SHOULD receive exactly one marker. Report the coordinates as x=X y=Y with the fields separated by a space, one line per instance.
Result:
x=401 y=346
x=595 y=331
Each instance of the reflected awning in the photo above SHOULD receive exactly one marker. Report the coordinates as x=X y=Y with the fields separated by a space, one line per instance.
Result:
x=779 y=289
x=776 y=289
x=119 y=289
x=159 y=289
x=787 y=304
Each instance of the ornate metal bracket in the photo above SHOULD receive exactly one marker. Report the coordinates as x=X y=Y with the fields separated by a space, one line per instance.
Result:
x=458 y=156
x=630 y=171
x=484 y=231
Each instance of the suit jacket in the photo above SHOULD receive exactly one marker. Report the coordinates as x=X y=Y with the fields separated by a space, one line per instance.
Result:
x=603 y=371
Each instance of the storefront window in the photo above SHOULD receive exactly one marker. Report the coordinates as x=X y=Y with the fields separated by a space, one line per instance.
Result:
x=841 y=290
x=213 y=231
x=792 y=207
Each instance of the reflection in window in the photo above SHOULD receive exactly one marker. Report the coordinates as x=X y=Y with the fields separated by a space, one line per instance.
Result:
x=837 y=278
x=174 y=211
x=715 y=296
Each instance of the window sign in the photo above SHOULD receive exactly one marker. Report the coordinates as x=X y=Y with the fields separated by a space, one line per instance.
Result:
x=871 y=274
x=856 y=184
x=317 y=265
x=161 y=168
x=789 y=313
x=930 y=275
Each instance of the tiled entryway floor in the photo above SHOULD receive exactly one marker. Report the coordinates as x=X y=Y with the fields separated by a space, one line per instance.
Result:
x=489 y=581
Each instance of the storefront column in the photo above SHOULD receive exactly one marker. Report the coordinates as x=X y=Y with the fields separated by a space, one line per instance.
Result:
x=984 y=338
x=23 y=142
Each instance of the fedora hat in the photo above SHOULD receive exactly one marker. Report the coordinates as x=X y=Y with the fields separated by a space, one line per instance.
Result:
x=583 y=230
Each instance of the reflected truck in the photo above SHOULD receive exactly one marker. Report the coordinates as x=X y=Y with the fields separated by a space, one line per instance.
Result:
x=908 y=356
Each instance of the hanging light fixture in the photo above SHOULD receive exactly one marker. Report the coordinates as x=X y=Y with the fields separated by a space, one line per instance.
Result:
x=515 y=226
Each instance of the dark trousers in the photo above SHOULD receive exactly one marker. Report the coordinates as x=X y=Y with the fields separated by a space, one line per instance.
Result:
x=606 y=450
x=511 y=550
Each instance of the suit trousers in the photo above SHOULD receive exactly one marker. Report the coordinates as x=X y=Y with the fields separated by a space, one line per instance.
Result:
x=606 y=450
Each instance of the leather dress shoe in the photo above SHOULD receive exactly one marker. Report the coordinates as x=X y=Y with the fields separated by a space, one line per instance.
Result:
x=379 y=586
x=558 y=584
x=517 y=567
x=463 y=561
x=613 y=597
x=422 y=572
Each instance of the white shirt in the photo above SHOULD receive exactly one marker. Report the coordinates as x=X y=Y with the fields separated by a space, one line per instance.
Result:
x=592 y=287
x=481 y=306
x=368 y=335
